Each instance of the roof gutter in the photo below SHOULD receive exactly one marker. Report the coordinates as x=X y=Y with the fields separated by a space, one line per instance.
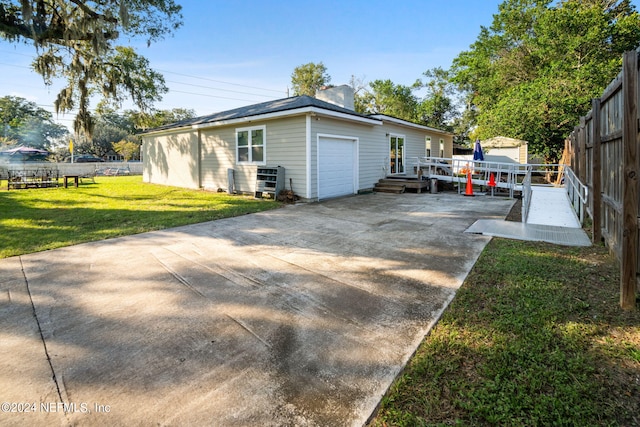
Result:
x=267 y=116
x=408 y=124
x=285 y=113
x=165 y=131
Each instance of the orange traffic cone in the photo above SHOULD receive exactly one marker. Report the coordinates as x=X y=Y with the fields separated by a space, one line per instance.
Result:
x=492 y=180
x=469 y=191
x=492 y=183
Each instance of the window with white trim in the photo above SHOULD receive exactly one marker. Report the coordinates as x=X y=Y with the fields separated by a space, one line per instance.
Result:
x=441 y=147
x=250 y=145
x=427 y=146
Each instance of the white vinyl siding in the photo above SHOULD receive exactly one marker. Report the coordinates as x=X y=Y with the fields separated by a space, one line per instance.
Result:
x=201 y=158
x=416 y=141
x=171 y=159
x=285 y=147
x=218 y=155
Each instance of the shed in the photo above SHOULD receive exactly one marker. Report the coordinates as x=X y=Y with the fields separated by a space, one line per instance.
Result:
x=504 y=149
x=326 y=149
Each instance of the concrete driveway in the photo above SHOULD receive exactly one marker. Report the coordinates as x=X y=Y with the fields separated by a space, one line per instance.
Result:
x=299 y=316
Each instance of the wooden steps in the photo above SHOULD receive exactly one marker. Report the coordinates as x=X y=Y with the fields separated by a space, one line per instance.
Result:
x=396 y=188
x=399 y=185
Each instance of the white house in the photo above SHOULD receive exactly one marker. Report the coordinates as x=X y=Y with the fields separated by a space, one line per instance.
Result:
x=326 y=148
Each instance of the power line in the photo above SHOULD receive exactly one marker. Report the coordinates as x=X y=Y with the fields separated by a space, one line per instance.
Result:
x=16 y=53
x=200 y=86
x=73 y=111
x=212 y=96
x=178 y=74
x=223 y=90
x=15 y=66
x=220 y=81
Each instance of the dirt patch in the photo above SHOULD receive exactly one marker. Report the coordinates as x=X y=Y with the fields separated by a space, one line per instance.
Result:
x=515 y=214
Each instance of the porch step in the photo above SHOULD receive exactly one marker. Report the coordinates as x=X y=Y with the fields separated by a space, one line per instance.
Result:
x=390 y=186
x=396 y=188
x=406 y=182
x=393 y=181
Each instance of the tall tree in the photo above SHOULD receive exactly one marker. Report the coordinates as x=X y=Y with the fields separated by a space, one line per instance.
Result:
x=308 y=78
x=74 y=40
x=23 y=122
x=533 y=73
x=127 y=149
x=437 y=108
x=157 y=118
x=359 y=89
x=108 y=130
x=386 y=97
x=121 y=129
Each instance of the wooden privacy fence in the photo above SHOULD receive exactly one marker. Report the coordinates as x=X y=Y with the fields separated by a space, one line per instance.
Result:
x=603 y=151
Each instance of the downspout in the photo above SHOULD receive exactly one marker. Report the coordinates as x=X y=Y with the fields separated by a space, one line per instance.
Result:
x=308 y=146
x=199 y=158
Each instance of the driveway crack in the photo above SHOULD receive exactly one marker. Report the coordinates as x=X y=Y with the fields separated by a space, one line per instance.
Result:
x=179 y=277
x=54 y=377
x=248 y=329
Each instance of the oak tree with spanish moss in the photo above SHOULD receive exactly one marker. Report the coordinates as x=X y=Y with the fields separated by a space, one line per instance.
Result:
x=75 y=40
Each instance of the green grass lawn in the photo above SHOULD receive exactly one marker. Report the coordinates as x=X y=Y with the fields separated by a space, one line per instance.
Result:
x=34 y=220
x=535 y=337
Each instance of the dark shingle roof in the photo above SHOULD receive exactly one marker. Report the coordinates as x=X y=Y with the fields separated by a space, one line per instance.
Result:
x=278 y=105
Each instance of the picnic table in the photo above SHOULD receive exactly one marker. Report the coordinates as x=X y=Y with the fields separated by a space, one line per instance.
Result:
x=74 y=178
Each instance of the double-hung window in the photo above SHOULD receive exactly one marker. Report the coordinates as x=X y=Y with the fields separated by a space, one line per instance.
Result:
x=250 y=145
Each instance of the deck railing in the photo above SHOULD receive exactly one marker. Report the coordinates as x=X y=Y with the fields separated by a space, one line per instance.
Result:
x=510 y=176
x=507 y=176
x=577 y=192
x=526 y=196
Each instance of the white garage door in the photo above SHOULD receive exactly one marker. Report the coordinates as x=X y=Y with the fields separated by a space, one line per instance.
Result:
x=336 y=167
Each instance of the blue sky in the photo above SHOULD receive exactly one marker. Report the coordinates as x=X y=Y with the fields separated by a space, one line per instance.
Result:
x=238 y=52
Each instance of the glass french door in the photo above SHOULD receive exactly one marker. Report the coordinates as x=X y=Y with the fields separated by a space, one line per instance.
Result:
x=396 y=145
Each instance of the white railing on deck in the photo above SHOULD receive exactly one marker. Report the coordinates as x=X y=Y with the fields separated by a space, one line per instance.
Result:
x=526 y=197
x=511 y=176
x=577 y=193
x=507 y=175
